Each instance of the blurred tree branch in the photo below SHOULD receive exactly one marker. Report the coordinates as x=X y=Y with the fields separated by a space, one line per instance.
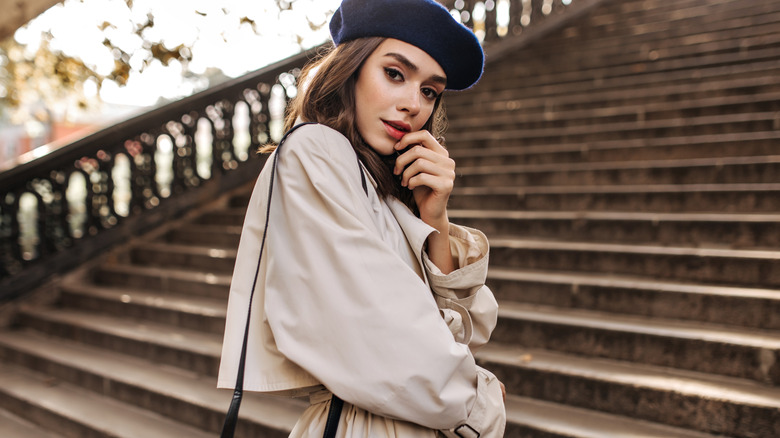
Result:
x=47 y=75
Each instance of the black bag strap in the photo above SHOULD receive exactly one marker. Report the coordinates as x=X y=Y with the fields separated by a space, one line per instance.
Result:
x=336 y=404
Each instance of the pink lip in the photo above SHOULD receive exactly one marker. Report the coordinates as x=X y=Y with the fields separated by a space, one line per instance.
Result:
x=396 y=129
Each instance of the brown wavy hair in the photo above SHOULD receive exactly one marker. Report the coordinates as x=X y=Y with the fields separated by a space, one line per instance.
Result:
x=329 y=98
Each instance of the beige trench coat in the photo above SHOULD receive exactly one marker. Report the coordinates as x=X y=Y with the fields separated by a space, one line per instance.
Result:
x=335 y=305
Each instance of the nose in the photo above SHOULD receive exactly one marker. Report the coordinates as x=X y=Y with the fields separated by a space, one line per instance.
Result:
x=410 y=101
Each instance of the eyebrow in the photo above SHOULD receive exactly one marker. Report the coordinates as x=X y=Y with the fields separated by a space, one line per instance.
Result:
x=411 y=66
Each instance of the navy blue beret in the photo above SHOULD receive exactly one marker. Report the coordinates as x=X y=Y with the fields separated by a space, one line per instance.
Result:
x=422 y=23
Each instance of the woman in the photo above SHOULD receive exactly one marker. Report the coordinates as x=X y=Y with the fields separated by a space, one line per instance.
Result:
x=365 y=290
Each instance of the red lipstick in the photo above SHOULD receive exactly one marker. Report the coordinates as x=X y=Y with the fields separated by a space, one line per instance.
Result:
x=396 y=129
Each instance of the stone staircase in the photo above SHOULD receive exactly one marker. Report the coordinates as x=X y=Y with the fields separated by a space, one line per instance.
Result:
x=626 y=172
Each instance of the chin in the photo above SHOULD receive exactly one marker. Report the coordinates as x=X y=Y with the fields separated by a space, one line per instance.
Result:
x=382 y=146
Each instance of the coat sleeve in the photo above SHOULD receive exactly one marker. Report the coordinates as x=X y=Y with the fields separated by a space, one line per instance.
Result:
x=469 y=306
x=345 y=308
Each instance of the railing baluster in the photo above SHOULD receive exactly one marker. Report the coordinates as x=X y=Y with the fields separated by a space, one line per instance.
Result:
x=95 y=156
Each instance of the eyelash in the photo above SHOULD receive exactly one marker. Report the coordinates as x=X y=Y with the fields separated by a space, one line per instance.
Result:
x=396 y=75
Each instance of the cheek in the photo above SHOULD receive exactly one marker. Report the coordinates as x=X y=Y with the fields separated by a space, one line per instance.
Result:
x=424 y=115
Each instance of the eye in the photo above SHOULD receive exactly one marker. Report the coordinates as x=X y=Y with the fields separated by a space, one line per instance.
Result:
x=430 y=93
x=394 y=74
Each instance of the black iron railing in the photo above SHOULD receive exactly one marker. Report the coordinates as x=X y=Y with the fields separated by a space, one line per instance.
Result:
x=55 y=203
x=58 y=210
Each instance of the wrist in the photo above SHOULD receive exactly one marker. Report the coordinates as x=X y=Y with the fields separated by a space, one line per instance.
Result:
x=438 y=248
x=440 y=223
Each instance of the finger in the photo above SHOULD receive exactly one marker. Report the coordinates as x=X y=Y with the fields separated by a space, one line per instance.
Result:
x=421 y=153
x=423 y=138
x=440 y=186
x=419 y=166
x=433 y=164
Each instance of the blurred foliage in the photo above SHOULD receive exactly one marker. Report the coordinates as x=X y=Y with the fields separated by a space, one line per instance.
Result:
x=48 y=76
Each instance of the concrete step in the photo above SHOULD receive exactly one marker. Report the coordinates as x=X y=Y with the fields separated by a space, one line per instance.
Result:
x=724 y=170
x=655 y=44
x=757 y=308
x=726 y=198
x=709 y=39
x=672 y=229
x=70 y=411
x=687 y=147
x=527 y=417
x=188 y=312
x=13 y=426
x=170 y=279
x=176 y=394
x=603 y=101
x=196 y=258
x=159 y=343
x=709 y=404
x=240 y=200
x=752 y=354
x=548 y=115
x=228 y=216
x=555 y=70
x=753 y=268
x=704 y=125
x=215 y=236
x=638 y=18
x=697 y=21
x=605 y=91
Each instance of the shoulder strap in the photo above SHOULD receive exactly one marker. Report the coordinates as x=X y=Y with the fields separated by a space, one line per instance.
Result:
x=229 y=426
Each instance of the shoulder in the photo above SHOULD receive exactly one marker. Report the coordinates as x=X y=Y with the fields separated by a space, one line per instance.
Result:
x=317 y=140
x=322 y=153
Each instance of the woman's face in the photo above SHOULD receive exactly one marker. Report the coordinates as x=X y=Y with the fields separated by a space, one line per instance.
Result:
x=395 y=93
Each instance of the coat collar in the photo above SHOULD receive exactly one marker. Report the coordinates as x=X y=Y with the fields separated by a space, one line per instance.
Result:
x=415 y=230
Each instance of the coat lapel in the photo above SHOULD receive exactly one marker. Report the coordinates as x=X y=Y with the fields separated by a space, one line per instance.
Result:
x=415 y=230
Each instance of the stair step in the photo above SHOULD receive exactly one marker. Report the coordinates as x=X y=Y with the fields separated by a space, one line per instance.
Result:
x=755 y=169
x=682 y=26
x=200 y=258
x=160 y=343
x=220 y=236
x=609 y=97
x=714 y=43
x=229 y=216
x=704 y=403
x=174 y=393
x=188 y=312
x=732 y=306
x=752 y=354
x=681 y=229
x=699 y=82
x=604 y=103
x=652 y=19
x=13 y=426
x=726 y=198
x=547 y=115
x=689 y=147
x=555 y=71
x=75 y=412
x=169 y=279
x=702 y=125
x=531 y=417
x=712 y=265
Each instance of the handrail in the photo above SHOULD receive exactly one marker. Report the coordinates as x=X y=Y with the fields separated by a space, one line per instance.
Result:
x=113 y=184
x=92 y=167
